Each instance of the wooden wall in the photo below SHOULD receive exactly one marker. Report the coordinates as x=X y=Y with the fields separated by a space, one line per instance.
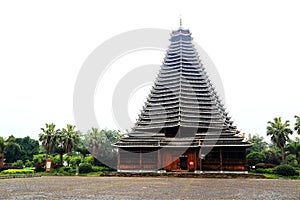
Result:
x=219 y=159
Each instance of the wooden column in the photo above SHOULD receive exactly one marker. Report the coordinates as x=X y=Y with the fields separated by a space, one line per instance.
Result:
x=200 y=156
x=221 y=160
x=195 y=159
x=141 y=159
x=158 y=159
x=118 y=167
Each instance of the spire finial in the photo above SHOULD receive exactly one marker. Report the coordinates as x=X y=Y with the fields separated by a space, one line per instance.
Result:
x=180 y=22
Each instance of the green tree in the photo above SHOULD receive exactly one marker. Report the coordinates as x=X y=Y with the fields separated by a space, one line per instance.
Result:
x=279 y=132
x=94 y=139
x=273 y=155
x=23 y=149
x=297 y=124
x=13 y=153
x=98 y=142
x=82 y=149
x=254 y=158
x=293 y=147
x=3 y=145
x=29 y=147
x=71 y=139
x=259 y=145
x=47 y=137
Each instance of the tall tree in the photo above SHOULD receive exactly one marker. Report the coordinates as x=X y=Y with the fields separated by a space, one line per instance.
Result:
x=3 y=145
x=259 y=145
x=47 y=137
x=59 y=144
x=29 y=147
x=98 y=142
x=279 y=132
x=71 y=139
x=297 y=124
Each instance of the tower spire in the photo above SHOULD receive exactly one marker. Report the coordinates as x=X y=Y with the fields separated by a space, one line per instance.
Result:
x=180 y=23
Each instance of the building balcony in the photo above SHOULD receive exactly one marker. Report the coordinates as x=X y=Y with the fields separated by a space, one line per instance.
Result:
x=157 y=121
x=157 y=116
x=163 y=112
x=161 y=99
x=181 y=42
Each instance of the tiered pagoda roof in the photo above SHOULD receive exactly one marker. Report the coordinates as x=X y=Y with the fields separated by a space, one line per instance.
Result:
x=183 y=107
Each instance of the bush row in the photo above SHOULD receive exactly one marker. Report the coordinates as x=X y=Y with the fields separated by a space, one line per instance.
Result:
x=284 y=170
x=18 y=171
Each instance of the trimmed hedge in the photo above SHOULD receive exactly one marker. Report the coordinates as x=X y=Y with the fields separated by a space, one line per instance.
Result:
x=18 y=171
x=101 y=169
x=285 y=170
x=66 y=170
x=9 y=167
x=265 y=171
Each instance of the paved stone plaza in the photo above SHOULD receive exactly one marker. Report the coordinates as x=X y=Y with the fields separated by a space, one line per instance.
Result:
x=147 y=188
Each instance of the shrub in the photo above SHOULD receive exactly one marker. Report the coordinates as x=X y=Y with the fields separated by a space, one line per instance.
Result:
x=85 y=168
x=66 y=170
x=75 y=160
x=57 y=166
x=88 y=159
x=265 y=165
x=285 y=170
x=18 y=163
x=55 y=159
x=39 y=158
x=40 y=167
x=28 y=163
x=291 y=160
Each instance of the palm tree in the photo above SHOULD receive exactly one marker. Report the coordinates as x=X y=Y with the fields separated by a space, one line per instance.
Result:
x=71 y=139
x=94 y=140
x=47 y=137
x=293 y=147
x=279 y=133
x=59 y=144
x=297 y=124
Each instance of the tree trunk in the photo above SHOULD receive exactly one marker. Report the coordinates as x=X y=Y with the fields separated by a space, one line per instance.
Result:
x=282 y=154
x=2 y=159
x=69 y=151
x=61 y=158
x=47 y=152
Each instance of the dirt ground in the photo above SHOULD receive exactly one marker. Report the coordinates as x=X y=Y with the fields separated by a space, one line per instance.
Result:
x=147 y=188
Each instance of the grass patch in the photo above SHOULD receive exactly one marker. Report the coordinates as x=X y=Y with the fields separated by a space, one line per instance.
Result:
x=276 y=176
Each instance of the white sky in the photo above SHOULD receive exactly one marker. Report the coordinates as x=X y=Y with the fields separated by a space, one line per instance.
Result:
x=255 y=46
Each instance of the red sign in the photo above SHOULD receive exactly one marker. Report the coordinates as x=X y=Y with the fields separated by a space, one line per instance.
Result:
x=48 y=165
